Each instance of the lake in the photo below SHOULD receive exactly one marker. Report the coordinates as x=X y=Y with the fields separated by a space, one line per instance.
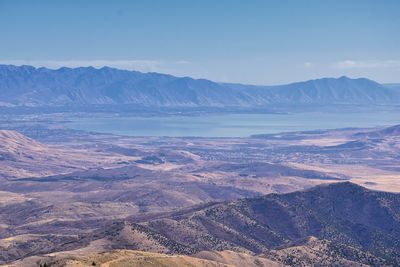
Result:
x=232 y=125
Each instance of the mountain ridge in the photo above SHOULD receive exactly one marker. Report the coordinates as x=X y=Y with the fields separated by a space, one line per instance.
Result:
x=342 y=213
x=326 y=225
x=337 y=223
x=30 y=86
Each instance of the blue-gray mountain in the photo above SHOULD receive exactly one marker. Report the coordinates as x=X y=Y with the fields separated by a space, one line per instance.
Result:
x=30 y=86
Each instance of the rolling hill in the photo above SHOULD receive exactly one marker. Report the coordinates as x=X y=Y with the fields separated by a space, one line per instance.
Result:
x=85 y=86
x=339 y=223
x=340 y=213
x=132 y=258
x=21 y=156
x=142 y=197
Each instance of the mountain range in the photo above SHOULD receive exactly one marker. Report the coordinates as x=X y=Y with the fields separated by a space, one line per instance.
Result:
x=342 y=213
x=101 y=198
x=340 y=224
x=84 y=86
x=342 y=220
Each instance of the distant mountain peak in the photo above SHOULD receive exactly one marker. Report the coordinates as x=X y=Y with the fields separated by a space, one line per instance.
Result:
x=346 y=185
x=30 y=86
x=381 y=133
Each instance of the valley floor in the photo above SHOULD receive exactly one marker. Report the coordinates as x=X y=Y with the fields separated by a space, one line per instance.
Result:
x=58 y=186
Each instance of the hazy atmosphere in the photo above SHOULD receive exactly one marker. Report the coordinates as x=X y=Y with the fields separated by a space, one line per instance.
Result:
x=262 y=42
x=199 y=133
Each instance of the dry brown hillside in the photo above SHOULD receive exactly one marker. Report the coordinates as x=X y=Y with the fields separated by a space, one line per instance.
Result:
x=21 y=156
x=132 y=258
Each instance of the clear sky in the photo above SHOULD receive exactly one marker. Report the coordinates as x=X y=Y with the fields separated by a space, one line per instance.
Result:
x=259 y=42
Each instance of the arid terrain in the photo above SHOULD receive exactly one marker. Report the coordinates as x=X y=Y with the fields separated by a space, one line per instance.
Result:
x=66 y=196
x=155 y=133
x=340 y=223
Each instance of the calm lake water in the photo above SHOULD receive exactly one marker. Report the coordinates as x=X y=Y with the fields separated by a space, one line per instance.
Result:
x=232 y=125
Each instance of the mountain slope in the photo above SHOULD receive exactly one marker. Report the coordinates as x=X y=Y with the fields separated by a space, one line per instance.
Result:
x=21 y=156
x=314 y=252
x=132 y=258
x=341 y=213
x=13 y=142
x=330 y=90
x=338 y=223
x=29 y=86
x=393 y=131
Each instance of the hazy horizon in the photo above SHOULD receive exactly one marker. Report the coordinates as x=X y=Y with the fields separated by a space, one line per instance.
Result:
x=199 y=133
x=201 y=78
x=262 y=42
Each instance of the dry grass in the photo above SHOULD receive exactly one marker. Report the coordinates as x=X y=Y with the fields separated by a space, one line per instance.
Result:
x=131 y=258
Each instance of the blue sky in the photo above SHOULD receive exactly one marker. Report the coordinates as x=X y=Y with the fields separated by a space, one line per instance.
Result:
x=259 y=42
